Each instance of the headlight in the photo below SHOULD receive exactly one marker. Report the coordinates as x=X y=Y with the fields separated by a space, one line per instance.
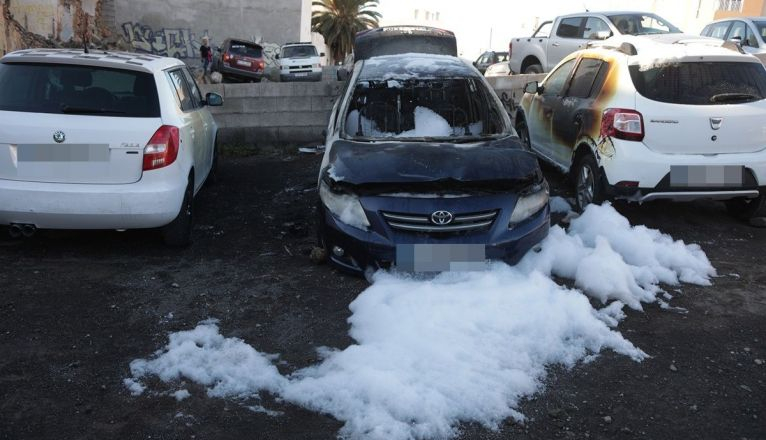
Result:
x=344 y=206
x=530 y=203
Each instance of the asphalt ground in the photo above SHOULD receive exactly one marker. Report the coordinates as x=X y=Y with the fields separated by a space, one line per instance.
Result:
x=77 y=306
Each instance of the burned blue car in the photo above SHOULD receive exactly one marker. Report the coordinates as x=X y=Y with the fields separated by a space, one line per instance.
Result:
x=422 y=170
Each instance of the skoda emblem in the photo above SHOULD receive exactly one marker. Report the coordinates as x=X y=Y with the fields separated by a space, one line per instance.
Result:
x=59 y=137
x=715 y=123
x=441 y=218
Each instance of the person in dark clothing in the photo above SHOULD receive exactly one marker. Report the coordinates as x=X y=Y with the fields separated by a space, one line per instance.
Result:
x=206 y=55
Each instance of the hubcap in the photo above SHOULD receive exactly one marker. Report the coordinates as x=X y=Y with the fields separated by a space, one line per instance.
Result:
x=585 y=186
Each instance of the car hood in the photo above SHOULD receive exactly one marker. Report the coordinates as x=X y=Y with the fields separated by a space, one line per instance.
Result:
x=499 y=164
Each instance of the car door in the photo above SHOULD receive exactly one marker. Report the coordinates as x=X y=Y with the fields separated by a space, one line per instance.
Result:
x=540 y=114
x=575 y=115
x=191 y=129
x=568 y=39
x=207 y=141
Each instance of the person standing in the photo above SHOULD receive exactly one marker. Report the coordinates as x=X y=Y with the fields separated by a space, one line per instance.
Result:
x=206 y=56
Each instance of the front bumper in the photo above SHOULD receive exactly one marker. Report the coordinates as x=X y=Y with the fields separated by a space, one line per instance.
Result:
x=300 y=76
x=634 y=162
x=153 y=201
x=376 y=248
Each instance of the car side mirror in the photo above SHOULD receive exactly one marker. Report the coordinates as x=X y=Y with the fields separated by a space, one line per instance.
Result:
x=474 y=64
x=533 y=87
x=213 y=100
x=603 y=35
x=342 y=74
x=324 y=133
x=276 y=57
x=321 y=54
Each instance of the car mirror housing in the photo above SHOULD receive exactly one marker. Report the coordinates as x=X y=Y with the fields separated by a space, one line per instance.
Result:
x=213 y=99
x=533 y=87
x=342 y=74
x=321 y=54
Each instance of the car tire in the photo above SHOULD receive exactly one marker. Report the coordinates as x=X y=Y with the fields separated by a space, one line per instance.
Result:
x=178 y=233
x=523 y=131
x=586 y=176
x=745 y=209
x=533 y=69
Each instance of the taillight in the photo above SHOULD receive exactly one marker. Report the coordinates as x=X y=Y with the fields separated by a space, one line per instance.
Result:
x=622 y=124
x=226 y=57
x=260 y=65
x=162 y=149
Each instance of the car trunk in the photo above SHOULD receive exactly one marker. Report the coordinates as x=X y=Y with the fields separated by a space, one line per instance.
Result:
x=95 y=149
x=245 y=57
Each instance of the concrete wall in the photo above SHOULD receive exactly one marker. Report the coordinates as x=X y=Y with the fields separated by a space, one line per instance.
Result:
x=274 y=114
x=282 y=114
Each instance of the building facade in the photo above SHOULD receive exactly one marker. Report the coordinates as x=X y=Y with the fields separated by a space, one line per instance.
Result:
x=740 y=8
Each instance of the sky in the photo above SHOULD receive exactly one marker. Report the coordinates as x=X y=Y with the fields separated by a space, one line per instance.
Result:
x=490 y=24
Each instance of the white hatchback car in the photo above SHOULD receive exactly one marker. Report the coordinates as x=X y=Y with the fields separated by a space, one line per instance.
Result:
x=643 y=121
x=102 y=141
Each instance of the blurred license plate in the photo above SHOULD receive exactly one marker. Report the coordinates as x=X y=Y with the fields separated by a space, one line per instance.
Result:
x=301 y=74
x=244 y=63
x=441 y=257
x=701 y=176
x=64 y=153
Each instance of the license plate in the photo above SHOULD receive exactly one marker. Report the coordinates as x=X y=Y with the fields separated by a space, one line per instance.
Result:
x=441 y=257
x=63 y=153
x=301 y=74
x=704 y=176
x=244 y=63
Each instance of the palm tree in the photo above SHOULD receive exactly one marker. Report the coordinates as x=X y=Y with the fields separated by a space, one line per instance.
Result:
x=338 y=21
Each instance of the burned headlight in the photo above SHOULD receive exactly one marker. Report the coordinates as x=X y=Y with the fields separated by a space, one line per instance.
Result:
x=530 y=203
x=345 y=207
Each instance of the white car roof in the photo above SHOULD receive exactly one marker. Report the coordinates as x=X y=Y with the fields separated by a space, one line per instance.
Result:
x=121 y=60
x=649 y=51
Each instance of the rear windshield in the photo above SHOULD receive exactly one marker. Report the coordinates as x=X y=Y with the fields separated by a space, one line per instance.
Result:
x=299 y=52
x=246 y=50
x=704 y=83
x=459 y=109
x=68 y=89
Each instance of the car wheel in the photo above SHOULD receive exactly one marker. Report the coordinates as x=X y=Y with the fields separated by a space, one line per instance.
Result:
x=178 y=233
x=745 y=209
x=586 y=178
x=523 y=132
x=533 y=69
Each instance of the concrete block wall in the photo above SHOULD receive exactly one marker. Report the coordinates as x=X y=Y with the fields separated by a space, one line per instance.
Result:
x=280 y=114
x=274 y=114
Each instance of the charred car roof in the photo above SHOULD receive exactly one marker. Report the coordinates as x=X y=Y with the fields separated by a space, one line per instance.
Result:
x=415 y=65
x=392 y=40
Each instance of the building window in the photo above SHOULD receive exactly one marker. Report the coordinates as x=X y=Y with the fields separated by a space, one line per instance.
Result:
x=730 y=5
x=428 y=15
x=416 y=14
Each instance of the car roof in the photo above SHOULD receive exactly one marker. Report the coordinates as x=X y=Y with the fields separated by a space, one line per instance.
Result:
x=761 y=18
x=415 y=65
x=120 y=60
x=607 y=13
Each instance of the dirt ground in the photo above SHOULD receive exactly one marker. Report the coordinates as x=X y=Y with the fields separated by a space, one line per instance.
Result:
x=77 y=307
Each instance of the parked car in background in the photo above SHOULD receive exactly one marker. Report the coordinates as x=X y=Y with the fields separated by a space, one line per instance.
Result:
x=102 y=141
x=239 y=61
x=489 y=58
x=749 y=32
x=642 y=121
x=498 y=69
x=299 y=62
x=390 y=192
x=552 y=41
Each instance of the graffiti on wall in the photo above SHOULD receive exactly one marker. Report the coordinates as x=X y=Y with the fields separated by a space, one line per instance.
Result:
x=169 y=42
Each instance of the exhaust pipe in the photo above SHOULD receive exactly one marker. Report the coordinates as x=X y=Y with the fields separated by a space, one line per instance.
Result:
x=28 y=230
x=14 y=231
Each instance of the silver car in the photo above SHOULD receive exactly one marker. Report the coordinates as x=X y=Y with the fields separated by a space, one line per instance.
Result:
x=749 y=32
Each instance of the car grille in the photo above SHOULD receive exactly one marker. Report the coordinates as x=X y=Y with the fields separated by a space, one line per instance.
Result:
x=422 y=223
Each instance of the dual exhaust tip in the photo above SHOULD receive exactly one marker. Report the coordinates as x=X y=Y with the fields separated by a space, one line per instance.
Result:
x=17 y=230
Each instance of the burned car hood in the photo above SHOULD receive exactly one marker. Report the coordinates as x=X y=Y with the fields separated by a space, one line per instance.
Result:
x=499 y=163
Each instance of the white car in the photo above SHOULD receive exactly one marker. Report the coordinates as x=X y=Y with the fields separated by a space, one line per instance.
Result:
x=299 y=62
x=102 y=141
x=640 y=120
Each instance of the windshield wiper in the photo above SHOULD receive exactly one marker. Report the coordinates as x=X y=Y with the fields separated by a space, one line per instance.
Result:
x=87 y=110
x=726 y=97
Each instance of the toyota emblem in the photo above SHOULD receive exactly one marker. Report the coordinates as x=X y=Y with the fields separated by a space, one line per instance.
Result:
x=442 y=218
x=59 y=137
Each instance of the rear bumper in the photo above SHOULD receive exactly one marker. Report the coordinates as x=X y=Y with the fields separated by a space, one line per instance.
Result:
x=238 y=74
x=300 y=76
x=152 y=202
x=634 y=162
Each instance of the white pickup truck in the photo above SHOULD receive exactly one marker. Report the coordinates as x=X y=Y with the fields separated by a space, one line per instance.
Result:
x=554 y=40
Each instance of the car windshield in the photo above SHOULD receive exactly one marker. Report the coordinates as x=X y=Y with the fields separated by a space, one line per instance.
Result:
x=299 y=51
x=56 y=88
x=454 y=109
x=642 y=24
x=246 y=50
x=701 y=83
